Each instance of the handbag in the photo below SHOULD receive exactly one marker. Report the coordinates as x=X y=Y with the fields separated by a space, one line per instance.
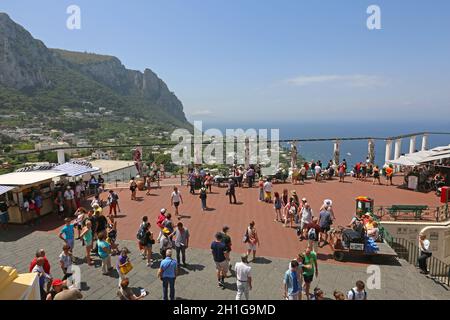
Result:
x=127 y=267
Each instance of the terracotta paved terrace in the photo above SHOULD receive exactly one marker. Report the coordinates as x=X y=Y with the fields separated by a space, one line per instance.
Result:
x=276 y=240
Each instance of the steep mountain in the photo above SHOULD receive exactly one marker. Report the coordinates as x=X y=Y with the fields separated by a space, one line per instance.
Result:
x=38 y=80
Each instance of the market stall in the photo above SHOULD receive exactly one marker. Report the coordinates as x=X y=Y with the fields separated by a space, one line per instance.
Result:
x=25 y=187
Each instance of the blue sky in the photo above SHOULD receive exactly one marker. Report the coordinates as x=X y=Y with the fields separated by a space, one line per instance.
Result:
x=251 y=60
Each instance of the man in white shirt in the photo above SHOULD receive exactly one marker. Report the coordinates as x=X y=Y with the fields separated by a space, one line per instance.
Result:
x=317 y=170
x=425 y=253
x=244 y=278
x=268 y=191
x=69 y=197
x=358 y=292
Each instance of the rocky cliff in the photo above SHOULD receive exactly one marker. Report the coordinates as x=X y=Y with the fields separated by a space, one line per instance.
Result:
x=29 y=69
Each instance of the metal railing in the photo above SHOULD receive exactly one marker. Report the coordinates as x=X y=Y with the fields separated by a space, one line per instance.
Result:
x=439 y=270
x=439 y=213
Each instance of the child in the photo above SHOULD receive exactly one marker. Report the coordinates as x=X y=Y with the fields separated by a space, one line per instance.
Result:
x=277 y=205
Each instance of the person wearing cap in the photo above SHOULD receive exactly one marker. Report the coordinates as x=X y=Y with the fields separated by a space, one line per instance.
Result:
x=243 y=278
x=165 y=242
x=328 y=206
x=56 y=287
x=160 y=221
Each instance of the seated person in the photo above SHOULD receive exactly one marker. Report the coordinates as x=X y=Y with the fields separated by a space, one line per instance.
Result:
x=374 y=232
x=368 y=223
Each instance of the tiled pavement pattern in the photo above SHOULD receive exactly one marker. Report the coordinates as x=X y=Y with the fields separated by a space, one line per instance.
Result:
x=401 y=281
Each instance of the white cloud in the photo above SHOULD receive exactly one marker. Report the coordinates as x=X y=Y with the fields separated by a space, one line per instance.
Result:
x=357 y=80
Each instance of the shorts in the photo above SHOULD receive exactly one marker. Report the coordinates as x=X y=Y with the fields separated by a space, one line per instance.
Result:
x=308 y=278
x=341 y=174
x=176 y=204
x=70 y=242
x=325 y=229
x=222 y=266
x=251 y=246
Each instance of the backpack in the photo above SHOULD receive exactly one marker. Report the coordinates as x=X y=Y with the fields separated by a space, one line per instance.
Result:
x=312 y=234
x=141 y=233
x=354 y=294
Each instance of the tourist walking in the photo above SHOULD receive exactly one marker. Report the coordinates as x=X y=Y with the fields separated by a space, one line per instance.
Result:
x=310 y=268
x=159 y=223
x=268 y=191
x=181 y=235
x=147 y=243
x=293 y=282
x=113 y=201
x=341 y=172
x=175 y=200
x=231 y=190
x=226 y=239
x=133 y=188
x=252 y=240
x=167 y=273
x=104 y=252
x=209 y=182
x=424 y=253
x=325 y=222
x=358 y=292
x=218 y=250
x=203 y=197
x=306 y=214
x=243 y=278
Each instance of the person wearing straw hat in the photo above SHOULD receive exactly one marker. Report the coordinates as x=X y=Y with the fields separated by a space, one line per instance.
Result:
x=165 y=242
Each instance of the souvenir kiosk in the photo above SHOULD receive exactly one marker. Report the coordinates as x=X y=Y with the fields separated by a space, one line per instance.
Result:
x=26 y=185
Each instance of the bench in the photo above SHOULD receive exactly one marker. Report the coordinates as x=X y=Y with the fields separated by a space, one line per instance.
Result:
x=417 y=210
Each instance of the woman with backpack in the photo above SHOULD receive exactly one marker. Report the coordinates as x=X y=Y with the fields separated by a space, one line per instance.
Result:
x=133 y=187
x=203 y=198
x=140 y=234
x=147 y=242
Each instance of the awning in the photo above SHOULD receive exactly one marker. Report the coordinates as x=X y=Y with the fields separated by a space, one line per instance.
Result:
x=411 y=159
x=27 y=178
x=436 y=157
x=5 y=189
x=75 y=170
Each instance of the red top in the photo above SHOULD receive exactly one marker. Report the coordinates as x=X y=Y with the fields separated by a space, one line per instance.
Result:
x=46 y=265
x=160 y=220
